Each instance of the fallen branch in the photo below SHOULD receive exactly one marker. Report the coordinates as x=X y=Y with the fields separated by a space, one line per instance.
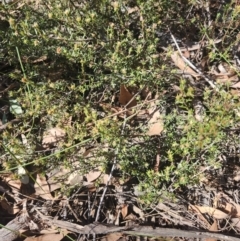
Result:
x=99 y=228
x=94 y=228
x=11 y=230
x=168 y=232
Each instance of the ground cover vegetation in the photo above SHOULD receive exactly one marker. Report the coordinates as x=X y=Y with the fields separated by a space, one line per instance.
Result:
x=135 y=98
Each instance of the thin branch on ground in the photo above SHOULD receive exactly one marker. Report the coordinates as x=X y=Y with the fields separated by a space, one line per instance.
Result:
x=210 y=82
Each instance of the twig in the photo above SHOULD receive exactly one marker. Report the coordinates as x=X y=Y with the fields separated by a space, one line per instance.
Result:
x=74 y=214
x=192 y=66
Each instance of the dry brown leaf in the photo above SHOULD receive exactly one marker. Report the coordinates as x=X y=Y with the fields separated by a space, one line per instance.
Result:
x=52 y=136
x=42 y=188
x=179 y=62
x=14 y=183
x=196 y=210
x=228 y=208
x=139 y=212
x=47 y=237
x=213 y=228
x=210 y=239
x=225 y=79
x=112 y=237
x=74 y=178
x=235 y=92
x=55 y=176
x=156 y=122
x=104 y=179
x=49 y=230
x=11 y=209
x=228 y=204
x=226 y=74
x=90 y=186
x=87 y=152
x=126 y=96
x=215 y=213
x=93 y=175
x=186 y=53
x=124 y=210
x=236 y=86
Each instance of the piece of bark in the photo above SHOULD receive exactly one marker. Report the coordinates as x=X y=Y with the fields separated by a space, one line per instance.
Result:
x=11 y=230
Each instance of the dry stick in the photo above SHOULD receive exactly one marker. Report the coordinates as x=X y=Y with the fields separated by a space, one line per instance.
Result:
x=147 y=231
x=133 y=230
x=74 y=214
x=192 y=66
